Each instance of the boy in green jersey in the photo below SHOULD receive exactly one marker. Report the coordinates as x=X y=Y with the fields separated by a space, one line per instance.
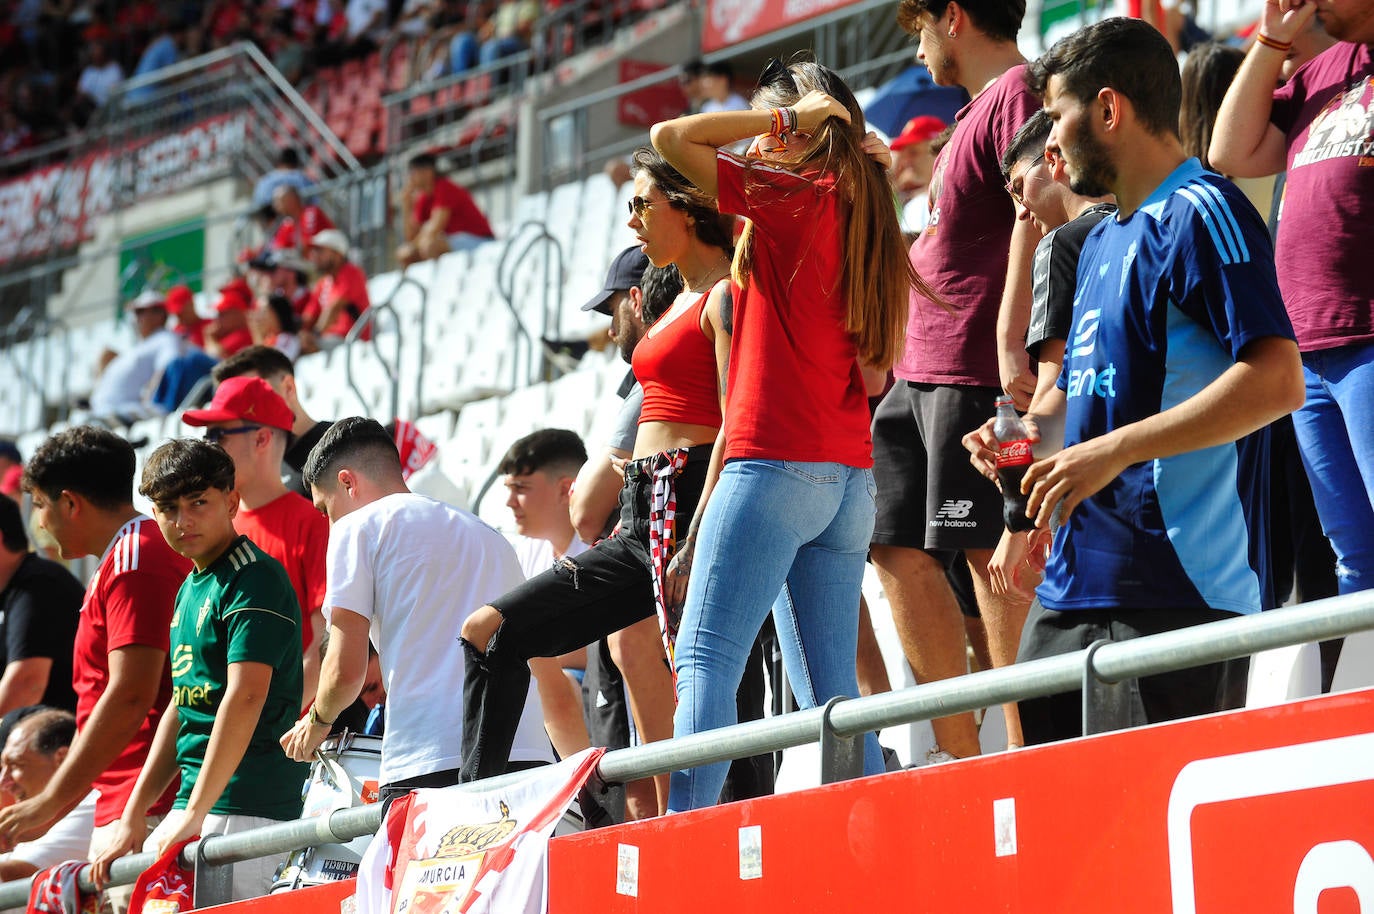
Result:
x=236 y=671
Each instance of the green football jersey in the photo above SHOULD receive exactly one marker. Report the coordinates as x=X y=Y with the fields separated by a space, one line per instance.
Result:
x=241 y=608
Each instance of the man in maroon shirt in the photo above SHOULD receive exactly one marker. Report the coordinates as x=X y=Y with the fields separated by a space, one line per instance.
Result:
x=439 y=215
x=960 y=353
x=81 y=481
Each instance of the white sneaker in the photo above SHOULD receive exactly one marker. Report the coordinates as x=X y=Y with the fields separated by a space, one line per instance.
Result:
x=934 y=756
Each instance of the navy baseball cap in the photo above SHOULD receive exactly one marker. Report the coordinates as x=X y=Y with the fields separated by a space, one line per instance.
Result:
x=626 y=271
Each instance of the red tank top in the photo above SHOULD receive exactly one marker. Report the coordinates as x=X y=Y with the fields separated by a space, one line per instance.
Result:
x=676 y=366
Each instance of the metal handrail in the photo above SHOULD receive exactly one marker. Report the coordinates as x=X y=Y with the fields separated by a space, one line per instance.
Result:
x=843 y=719
x=366 y=321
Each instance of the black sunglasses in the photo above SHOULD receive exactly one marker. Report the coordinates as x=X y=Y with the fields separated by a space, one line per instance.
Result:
x=775 y=72
x=638 y=206
x=216 y=435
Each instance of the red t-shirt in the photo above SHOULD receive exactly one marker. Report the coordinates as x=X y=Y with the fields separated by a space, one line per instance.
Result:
x=128 y=602
x=963 y=252
x=463 y=214
x=291 y=531
x=348 y=285
x=297 y=233
x=795 y=389
x=1328 y=198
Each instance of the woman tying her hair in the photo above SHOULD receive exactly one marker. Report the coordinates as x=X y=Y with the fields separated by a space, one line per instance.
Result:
x=680 y=362
x=824 y=282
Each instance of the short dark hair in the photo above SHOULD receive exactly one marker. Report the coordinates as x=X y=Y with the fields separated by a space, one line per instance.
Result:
x=280 y=306
x=556 y=451
x=693 y=68
x=261 y=361
x=95 y=463
x=711 y=226
x=185 y=466
x=998 y=19
x=1028 y=142
x=289 y=158
x=50 y=729
x=1127 y=55
x=423 y=160
x=12 y=532
x=719 y=68
x=363 y=443
x=660 y=286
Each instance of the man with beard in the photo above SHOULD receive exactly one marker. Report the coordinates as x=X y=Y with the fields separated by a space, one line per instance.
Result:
x=1179 y=356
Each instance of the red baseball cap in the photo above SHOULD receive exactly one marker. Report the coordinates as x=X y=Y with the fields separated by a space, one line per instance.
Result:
x=235 y=294
x=179 y=300
x=247 y=399
x=917 y=130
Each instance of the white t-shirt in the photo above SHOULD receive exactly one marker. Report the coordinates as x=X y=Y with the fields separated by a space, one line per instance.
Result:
x=99 y=82
x=126 y=384
x=536 y=555
x=359 y=14
x=417 y=568
x=733 y=102
x=68 y=839
x=915 y=215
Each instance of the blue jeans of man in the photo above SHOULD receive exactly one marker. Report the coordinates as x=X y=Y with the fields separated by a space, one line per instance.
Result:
x=1335 y=429
x=785 y=536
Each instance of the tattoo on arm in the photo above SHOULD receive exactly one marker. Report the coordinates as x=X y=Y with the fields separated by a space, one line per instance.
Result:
x=727 y=311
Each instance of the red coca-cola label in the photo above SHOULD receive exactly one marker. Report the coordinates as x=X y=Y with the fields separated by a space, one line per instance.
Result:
x=1014 y=454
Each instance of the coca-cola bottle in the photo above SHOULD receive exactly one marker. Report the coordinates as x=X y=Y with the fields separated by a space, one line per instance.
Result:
x=1013 y=457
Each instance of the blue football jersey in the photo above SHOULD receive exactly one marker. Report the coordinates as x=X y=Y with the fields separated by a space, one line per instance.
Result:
x=1166 y=300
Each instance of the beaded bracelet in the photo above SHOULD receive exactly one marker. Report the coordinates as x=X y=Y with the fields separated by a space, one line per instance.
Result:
x=1283 y=46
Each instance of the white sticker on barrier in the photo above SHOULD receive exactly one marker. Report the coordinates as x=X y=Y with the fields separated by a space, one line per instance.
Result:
x=627 y=870
x=751 y=852
x=1004 y=826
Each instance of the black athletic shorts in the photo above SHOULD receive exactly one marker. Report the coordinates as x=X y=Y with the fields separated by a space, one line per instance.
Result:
x=929 y=494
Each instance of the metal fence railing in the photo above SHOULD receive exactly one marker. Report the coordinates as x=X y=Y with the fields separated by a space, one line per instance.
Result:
x=839 y=726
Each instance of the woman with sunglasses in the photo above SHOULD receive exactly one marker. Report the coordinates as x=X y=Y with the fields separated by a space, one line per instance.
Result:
x=680 y=362
x=824 y=282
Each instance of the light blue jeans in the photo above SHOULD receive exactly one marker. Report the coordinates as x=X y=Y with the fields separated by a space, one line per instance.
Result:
x=782 y=535
x=1335 y=430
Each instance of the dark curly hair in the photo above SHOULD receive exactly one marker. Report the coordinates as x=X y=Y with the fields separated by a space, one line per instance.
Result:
x=95 y=463
x=185 y=466
x=998 y=19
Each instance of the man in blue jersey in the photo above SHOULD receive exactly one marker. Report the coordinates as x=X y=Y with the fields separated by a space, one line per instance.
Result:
x=1180 y=354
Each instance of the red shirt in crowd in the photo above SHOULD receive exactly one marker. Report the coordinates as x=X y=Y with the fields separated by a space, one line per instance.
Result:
x=348 y=285
x=128 y=602
x=795 y=391
x=297 y=233
x=291 y=531
x=463 y=214
x=234 y=341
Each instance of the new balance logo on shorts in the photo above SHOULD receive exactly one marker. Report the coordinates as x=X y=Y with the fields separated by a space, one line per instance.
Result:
x=954 y=513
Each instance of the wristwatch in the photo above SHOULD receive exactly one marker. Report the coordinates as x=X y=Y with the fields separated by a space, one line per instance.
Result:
x=318 y=721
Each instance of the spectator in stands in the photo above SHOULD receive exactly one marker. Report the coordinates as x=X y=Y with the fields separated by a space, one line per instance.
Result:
x=124 y=390
x=964 y=344
x=508 y=30
x=286 y=172
x=1208 y=71
x=621 y=581
x=300 y=223
x=340 y=295
x=236 y=682
x=538 y=472
x=718 y=90
x=40 y=604
x=274 y=323
x=229 y=331
x=161 y=52
x=1163 y=470
x=190 y=326
x=32 y=754
x=81 y=483
x=913 y=163
x=401 y=567
x=99 y=80
x=251 y=423
x=1039 y=186
x=825 y=287
x=11 y=469
x=281 y=272
x=438 y=215
x=690 y=84
x=1313 y=124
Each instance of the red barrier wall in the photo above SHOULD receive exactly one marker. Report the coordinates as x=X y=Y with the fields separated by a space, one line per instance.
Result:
x=1270 y=810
